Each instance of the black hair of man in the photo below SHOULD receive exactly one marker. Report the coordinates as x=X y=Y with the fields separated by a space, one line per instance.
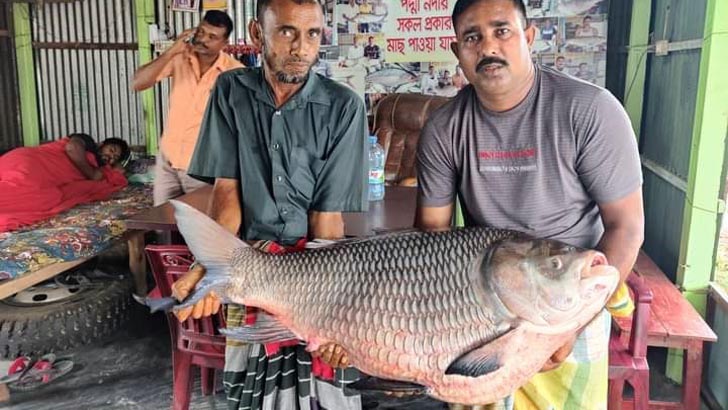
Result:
x=123 y=147
x=219 y=18
x=462 y=5
x=263 y=4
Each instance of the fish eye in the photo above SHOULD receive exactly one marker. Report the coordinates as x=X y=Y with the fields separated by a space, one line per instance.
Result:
x=556 y=263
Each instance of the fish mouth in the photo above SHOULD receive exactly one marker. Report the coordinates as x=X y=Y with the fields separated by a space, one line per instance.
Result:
x=598 y=278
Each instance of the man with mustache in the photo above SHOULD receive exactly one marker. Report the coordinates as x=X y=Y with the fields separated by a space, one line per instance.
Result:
x=194 y=62
x=528 y=148
x=286 y=149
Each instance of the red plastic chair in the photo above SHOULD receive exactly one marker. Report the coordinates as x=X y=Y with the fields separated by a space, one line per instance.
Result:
x=628 y=361
x=194 y=342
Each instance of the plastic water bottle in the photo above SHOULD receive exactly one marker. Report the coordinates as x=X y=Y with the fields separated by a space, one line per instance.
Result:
x=376 y=170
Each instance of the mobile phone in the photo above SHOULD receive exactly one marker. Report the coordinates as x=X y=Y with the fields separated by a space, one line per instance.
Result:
x=191 y=40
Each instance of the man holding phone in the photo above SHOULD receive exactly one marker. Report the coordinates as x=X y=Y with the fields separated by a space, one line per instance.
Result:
x=194 y=62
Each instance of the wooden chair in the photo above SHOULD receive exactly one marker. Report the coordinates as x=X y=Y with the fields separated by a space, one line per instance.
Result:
x=628 y=362
x=194 y=342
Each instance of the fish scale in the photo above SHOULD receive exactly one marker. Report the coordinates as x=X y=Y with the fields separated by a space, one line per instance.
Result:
x=418 y=310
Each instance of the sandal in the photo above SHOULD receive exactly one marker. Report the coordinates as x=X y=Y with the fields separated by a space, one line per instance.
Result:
x=17 y=369
x=25 y=375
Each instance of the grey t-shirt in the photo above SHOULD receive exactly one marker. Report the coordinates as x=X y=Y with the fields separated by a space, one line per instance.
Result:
x=540 y=168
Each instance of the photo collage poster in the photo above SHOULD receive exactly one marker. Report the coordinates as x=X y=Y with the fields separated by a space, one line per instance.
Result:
x=379 y=47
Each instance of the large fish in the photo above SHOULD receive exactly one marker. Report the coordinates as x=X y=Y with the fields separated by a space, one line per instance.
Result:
x=465 y=316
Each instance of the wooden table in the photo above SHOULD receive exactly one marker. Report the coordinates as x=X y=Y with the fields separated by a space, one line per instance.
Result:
x=396 y=211
x=673 y=323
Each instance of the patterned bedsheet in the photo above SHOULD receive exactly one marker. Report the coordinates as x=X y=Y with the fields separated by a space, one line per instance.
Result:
x=82 y=231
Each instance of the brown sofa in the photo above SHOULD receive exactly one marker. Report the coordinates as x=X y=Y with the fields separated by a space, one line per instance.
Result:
x=398 y=121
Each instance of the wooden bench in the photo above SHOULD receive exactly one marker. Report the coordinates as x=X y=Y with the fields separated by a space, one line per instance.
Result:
x=673 y=323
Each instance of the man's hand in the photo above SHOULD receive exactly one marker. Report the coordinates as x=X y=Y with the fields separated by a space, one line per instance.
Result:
x=208 y=305
x=333 y=355
x=181 y=44
x=559 y=356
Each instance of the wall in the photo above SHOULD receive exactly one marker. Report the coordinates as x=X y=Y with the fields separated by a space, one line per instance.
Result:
x=10 y=136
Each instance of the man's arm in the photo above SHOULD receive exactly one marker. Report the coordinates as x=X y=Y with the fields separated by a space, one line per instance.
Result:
x=148 y=74
x=325 y=225
x=76 y=152
x=328 y=225
x=225 y=209
x=434 y=218
x=624 y=225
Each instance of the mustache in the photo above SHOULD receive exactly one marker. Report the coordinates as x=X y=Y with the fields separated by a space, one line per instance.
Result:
x=490 y=60
x=300 y=60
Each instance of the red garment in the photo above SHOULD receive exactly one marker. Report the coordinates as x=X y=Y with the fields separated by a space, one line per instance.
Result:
x=39 y=182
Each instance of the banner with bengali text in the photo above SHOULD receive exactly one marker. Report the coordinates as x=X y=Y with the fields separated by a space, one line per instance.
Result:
x=419 y=30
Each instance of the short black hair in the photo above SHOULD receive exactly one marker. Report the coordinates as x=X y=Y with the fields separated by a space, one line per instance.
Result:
x=219 y=18
x=263 y=4
x=462 y=5
x=123 y=147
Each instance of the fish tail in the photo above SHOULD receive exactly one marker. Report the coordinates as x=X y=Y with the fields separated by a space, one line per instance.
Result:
x=213 y=247
x=156 y=304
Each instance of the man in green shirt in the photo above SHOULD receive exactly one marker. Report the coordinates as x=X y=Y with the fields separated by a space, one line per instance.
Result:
x=286 y=150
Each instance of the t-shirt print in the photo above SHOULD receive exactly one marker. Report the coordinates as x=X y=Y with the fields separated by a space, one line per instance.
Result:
x=507 y=160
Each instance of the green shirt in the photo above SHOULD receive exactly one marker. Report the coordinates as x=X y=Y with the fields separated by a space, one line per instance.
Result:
x=309 y=155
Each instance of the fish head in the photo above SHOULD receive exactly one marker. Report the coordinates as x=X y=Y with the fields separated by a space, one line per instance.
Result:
x=549 y=283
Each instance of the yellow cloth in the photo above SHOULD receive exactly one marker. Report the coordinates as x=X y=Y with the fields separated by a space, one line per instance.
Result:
x=580 y=383
x=621 y=304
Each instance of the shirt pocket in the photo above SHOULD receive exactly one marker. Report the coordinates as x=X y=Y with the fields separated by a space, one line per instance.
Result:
x=305 y=171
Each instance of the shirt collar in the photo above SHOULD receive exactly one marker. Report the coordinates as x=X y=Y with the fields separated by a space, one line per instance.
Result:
x=312 y=91
x=219 y=65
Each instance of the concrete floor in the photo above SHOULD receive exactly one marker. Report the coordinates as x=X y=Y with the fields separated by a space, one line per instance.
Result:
x=133 y=370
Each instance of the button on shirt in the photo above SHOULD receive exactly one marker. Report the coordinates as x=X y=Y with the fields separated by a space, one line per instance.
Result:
x=308 y=155
x=187 y=103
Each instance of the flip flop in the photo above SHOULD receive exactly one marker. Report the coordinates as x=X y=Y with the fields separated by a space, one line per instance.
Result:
x=44 y=371
x=17 y=369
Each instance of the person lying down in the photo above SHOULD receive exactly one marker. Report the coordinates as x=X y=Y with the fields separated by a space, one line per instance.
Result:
x=39 y=182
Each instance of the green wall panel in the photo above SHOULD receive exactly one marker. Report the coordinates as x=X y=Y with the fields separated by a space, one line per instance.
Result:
x=678 y=20
x=620 y=16
x=663 y=222
x=672 y=86
x=717 y=371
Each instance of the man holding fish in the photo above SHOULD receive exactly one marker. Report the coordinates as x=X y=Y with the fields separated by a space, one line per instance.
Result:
x=516 y=159
x=527 y=148
x=286 y=150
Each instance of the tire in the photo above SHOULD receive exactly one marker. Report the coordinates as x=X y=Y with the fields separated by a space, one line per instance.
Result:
x=93 y=313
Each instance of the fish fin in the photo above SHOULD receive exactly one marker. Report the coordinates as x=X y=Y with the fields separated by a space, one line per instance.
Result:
x=482 y=360
x=327 y=243
x=156 y=304
x=212 y=246
x=266 y=329
x=395 y=387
